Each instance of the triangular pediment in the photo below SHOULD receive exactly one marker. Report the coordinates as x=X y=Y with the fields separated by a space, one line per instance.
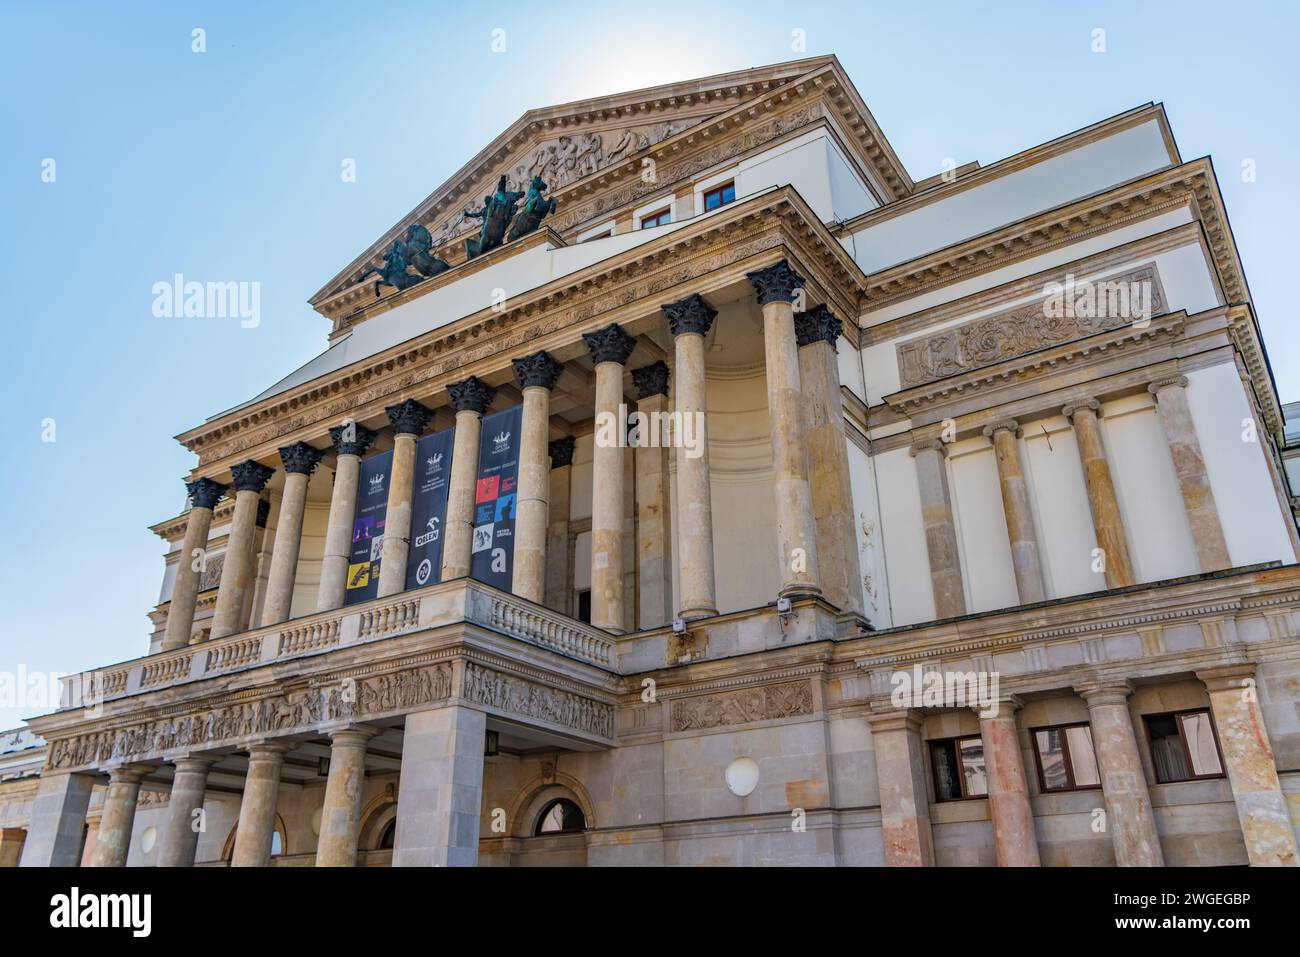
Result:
x=565 y=144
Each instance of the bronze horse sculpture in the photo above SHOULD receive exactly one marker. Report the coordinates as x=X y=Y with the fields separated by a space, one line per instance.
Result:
x=414 y=251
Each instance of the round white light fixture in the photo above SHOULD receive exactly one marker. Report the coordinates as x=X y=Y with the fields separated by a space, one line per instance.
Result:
x=148 y=838
x=742 y=776
x=315 y=821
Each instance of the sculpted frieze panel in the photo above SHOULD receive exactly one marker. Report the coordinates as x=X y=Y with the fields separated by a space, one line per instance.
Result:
x=228 y=725
x=528 y=699
x=1033 y=326
x=786 y=700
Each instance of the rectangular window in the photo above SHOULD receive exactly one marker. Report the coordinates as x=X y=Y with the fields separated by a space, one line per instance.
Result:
x=605 y=235
x=959 y=768
x=1066 y=761
x=1183 y=746
x=661 y=218
x=584 y=606
x=720 y=196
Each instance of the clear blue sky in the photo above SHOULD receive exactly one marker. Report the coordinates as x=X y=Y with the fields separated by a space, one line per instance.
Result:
x=226 y=165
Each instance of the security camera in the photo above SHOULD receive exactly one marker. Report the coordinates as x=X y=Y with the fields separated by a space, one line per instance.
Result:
x=679 y=626
x=784 y=606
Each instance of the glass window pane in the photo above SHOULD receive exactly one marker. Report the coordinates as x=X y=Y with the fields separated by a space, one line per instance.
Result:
x=972 y=766
x=1083 y=761
x=1051 y=755
x=1167 y=750
x=945 y=771
x=1200 y=743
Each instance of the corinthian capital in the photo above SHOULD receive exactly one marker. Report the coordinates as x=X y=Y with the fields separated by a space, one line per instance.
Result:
x=776 y=283
x=471 y=395
x=251 y=476
x=351 y=439
x=561 y=452
x=537 y=369
x=691 y=314
x=610 y=344
x=409 y=417
x=651 y=380
x=818 y=324
x=205 y=493
x=299 y=458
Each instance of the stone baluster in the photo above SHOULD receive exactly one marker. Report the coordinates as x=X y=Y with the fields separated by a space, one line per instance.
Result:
x=204 y=494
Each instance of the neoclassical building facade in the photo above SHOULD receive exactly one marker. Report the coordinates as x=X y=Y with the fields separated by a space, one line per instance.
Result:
x=965 y=540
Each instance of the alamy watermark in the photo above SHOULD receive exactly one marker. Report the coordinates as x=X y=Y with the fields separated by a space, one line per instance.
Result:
x=179 y=299
x=1107 y=299
x=919 y=688
x=651 y=430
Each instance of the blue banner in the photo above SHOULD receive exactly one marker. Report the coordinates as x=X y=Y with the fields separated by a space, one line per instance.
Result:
x=429 y=508
x=368 y=528
x=495 y=499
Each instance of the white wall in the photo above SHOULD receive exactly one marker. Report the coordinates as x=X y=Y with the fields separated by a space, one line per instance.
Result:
x=910 y=595
x=1059 y=500
x=988 y=576
x=870 y=539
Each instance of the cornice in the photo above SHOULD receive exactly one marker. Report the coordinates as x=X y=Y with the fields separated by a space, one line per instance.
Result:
x=768 y=225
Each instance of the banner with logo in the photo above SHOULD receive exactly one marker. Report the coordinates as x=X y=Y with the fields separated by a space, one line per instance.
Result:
x=495 y=499
x=429 y=508
x=368 y=528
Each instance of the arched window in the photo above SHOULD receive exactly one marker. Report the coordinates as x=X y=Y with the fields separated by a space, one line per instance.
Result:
x=388 y=839
x=561 y=816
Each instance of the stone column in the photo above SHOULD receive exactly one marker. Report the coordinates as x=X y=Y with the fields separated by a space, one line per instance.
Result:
x=256 y=828
x=183 y=819
x=1189 y=465
x=11 y=846
x=58 y=820
x=1129 y=816
x=470 y=399
x=1015 y=505
x=900 y=778
x=409 y=419
x=1013 y=818
x=350 y=443
x=654 y=551
x=1101 y=492
x=204 y=494
x=610 y=348
x=940 y=529
x=440 y=792
x=536 y=374
x=1252 y=771
x=119 y=815
x=299 y=461
x=89 y=840
x=689 y=321
x=816 y=332
x=237 y=571
x=559 y=572
x=796 y=532
x=340 y=821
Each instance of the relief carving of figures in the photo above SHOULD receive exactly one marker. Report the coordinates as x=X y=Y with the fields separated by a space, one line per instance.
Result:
x=786 y=700
x=518 y=696
x=1028 y=328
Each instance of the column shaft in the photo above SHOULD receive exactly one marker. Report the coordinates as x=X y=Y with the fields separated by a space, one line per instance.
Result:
x=940 y=529
x=189 y=569
x=1129 y=816
x=796 y=532
x=607 y=502
x=58 y=820
x=1020 y=517
x=1252 y=770
x=397 y=520
x=183 y=820
x=1106 y=517
x=559 y=587
x=534 y=493
x=119 y=815
x=698 y=596
x=237 y=572
x=440 y=793
x=284 y=554
x=256 y=828
x=654 y=552
x=457 y=549
x=1013 y=818
x=1193 y=479
x=828 y=461
x=904 y=799
x=338 y=535
x=340 y=822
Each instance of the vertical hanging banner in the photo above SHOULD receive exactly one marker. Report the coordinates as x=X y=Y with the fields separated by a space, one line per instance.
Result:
x=429 y=508
x=495 y=498
x=368 y=528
